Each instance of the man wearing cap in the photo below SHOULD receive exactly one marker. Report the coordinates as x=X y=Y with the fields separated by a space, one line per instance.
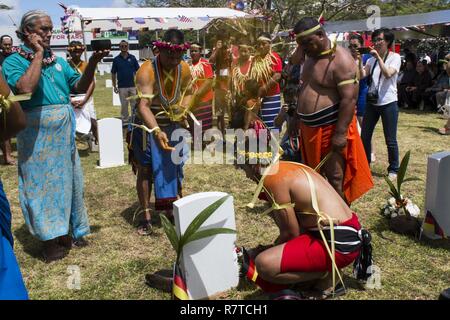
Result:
x=326 y=112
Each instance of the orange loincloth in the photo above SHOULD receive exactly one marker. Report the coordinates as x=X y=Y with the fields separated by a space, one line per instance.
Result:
x=316 y=144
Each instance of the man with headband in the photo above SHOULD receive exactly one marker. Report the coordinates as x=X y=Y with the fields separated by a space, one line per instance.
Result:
x=266 y=69
x=319 y=234
x=326 y=112
x=164 y=93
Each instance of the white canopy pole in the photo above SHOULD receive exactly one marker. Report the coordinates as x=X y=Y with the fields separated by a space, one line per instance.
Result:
x=84 y=40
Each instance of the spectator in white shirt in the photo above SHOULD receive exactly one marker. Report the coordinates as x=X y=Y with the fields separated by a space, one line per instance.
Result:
x=382 y=72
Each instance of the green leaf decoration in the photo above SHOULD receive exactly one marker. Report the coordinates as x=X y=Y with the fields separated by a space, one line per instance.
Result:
x=200 y=219
x=394 y=195
x=412 y=179
x=393 y=189
x=171 y=233
x=402 y=170
x=208 y=233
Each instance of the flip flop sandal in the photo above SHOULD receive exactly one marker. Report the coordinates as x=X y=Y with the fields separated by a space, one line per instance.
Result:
x=145 y=228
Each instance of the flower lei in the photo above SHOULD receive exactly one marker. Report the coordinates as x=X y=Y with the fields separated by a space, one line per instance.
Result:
x=261 y=68
x=30 y=56
x=172 y=47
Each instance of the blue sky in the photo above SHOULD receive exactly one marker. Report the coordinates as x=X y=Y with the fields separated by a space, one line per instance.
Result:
x=51 y=6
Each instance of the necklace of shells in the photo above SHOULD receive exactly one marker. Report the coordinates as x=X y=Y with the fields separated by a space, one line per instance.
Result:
x=197 y=70
x=261 y=69
x=239 y=78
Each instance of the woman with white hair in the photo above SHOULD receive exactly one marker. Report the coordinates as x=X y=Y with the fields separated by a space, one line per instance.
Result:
x=50 y=175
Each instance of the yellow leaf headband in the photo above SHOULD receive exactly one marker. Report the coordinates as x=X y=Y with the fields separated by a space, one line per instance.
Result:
x=262 y=38
x=313 y=29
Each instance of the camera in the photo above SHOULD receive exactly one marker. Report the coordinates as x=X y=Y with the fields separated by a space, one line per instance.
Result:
x=292 y=107
x=372 y=97
x=364 y=50
x=101 y=44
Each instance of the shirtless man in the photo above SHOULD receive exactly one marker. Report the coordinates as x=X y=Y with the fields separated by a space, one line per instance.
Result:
x=299 y=254
x=326 y=112
x=222 y=58
x=160 y=84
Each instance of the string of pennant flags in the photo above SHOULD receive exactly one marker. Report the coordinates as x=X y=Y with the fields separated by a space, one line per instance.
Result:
x=71 y=15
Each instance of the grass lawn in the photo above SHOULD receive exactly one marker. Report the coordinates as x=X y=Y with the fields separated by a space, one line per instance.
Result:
x=114 y=265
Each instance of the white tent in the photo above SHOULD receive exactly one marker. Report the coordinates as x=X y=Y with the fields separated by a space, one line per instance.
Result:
x=86 y=19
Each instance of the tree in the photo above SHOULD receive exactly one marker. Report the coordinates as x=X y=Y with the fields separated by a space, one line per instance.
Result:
x=402 y=7
x=285 y=13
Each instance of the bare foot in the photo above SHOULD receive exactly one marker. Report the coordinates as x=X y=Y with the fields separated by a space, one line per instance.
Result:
x=10 y=162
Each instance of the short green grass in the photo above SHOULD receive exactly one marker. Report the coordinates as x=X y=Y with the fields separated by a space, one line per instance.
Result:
x=114 y=265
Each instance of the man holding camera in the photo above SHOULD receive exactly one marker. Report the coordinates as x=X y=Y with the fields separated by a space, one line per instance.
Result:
x=326 y=112
x=382 y=72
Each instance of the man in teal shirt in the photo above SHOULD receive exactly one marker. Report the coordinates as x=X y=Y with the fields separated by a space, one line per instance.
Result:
x=50 y=175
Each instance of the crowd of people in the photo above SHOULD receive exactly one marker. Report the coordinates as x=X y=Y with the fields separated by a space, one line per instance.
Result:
x=333 y=98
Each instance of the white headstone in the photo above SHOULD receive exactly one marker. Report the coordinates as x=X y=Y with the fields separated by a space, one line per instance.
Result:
x=116 y=99
x=102 y=72
x=210 y=265
x=110 y=138
x=109 y=83
x=437 y=195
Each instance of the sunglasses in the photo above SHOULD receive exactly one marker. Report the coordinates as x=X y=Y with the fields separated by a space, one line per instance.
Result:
x=353 y=46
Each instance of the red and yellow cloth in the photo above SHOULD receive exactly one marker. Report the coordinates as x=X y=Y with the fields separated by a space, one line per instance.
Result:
x=316 y=144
